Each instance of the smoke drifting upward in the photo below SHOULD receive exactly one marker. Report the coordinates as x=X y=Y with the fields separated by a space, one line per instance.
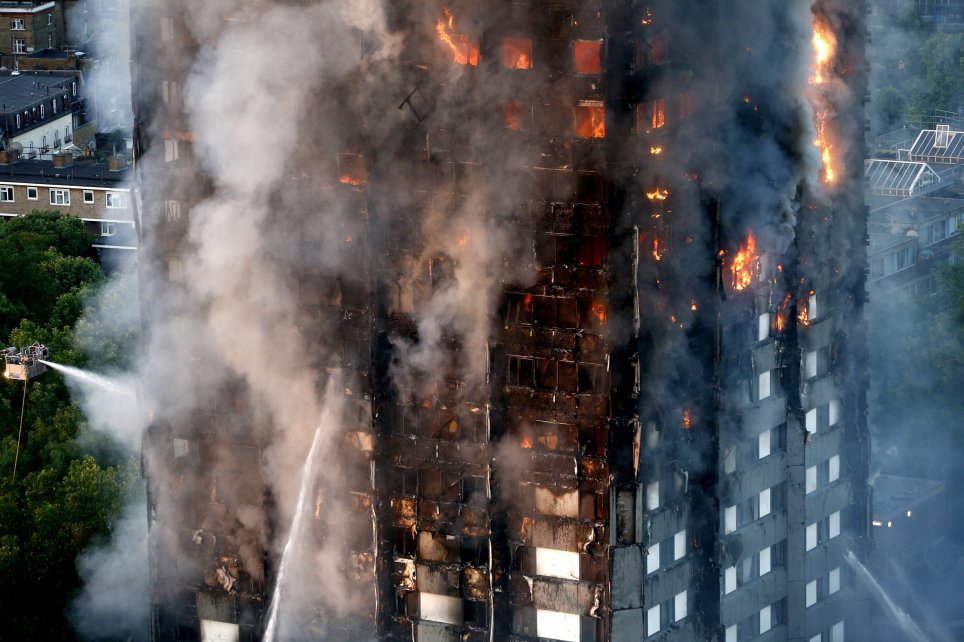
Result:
x=113 y=603
x=291 y=206
x=101 y=31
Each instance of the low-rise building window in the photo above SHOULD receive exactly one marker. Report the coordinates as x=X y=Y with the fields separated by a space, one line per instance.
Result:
x=88 y=196
x=6 y=193
x=116 y=200
x=108 y=228
x=60 y=197
x=33 y=194
x=19 y=46
x=17 y=24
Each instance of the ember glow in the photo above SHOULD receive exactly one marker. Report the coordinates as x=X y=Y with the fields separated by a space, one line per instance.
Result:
x=746 y=264
x=517 y=53
x=591 y=120
x=658 y=249
x=464 y=52
x=599 y=311
x=514 y=116
x=687 y=419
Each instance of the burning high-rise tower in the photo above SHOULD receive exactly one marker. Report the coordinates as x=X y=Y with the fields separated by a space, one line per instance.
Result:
x=562 y=297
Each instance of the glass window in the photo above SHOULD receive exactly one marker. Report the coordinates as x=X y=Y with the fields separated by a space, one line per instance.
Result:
x=59 y=197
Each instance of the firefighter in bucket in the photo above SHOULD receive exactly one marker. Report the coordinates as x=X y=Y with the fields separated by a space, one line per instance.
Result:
x=25 y=364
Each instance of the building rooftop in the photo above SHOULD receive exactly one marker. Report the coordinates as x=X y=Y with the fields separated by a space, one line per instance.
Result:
x=900 y=178
x=895 y=495
x=942 y=145
x=24 y=90
x=914 y=211
x=79 y=174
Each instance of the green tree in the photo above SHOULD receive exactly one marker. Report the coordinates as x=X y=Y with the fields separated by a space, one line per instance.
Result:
x=890 y=106
x=62 y=498
x=936 y=74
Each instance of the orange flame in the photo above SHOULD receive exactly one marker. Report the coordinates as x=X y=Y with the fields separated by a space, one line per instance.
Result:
x=526 y=442
x=687 y=419
x=655 y=151
x=463 y=239
x=824 y=51
x=658 y=250
x=517 y=53
x=514 y=113
x=599 y=310
x=658 y=194
x=648 y=20
x=780 y=319
x=527 y=302
x=464 y=52
x=829 y=173
x=746 y=264
x=591 y=121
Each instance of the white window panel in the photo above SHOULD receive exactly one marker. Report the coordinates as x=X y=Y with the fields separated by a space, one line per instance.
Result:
x=766 y=560
x=764 y=502
x=171 y=152
x=763 y=329
x=679 y=606
x=811 y=479
x=812 y=421
x=652 y=559
x=764 y=385
x=731 y=633
x=555 y=563
x=811 y=537
x=729 y=519
x=810 y=364
x=652 y=621
x=833 y=465
x=763 y=443
x=679 y=545
x=729 y=580
x=834 y=524
x=212 y=631
x=811 y=593
x=834 y=412
x=181 y=447
x=834 y=582
x=440 y=608
x=815 y=638
x=729 y=461
x=557 y=626
x=837 y=632
x=766 y=619
x=652 y=495
x=813 y=311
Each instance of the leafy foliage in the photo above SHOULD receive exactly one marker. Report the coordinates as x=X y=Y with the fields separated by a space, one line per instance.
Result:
x=62 y=498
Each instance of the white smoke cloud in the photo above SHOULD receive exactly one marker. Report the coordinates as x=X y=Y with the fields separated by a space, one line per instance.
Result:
x=114 y=603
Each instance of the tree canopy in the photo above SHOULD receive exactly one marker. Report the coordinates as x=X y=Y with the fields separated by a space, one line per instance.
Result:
x=67 y=492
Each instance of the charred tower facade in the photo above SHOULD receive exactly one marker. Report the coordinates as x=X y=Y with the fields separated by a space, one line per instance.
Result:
x=514 y=321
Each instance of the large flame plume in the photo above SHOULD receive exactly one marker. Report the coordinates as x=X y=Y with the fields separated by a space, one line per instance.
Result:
x=745 y=266
x=464 y=51
x=821 y=73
